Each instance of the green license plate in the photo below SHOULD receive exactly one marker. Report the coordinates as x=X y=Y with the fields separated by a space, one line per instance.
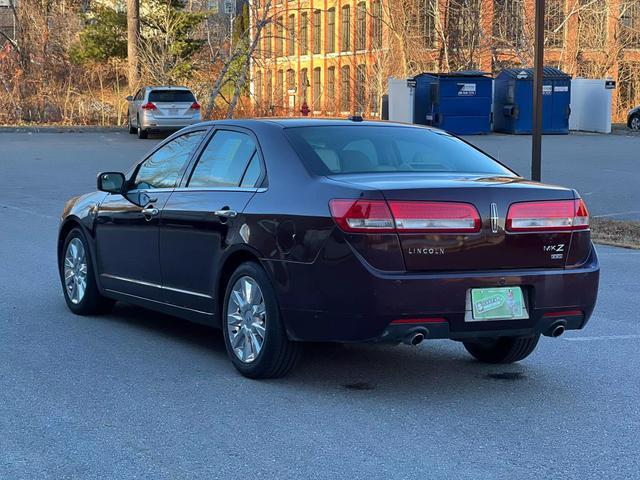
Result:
x=503 y=303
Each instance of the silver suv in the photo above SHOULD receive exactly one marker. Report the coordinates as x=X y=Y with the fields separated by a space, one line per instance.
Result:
x=161 y=108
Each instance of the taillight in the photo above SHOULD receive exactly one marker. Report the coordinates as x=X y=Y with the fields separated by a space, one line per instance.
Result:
x=195 y=106
x=554 y=215
x=404 y=217
x=149 y=106
x=446 y=217
x=362 y=215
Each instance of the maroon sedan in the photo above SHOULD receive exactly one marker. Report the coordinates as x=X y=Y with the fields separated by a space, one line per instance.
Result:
x=283 y=231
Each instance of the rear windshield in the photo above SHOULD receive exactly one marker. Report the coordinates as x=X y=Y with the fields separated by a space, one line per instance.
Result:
x=171 y=96
x=365 y=149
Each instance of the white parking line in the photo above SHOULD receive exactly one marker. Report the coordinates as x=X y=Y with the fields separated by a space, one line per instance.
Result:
x=603 y=337
x=616 y=214
x=30 y=212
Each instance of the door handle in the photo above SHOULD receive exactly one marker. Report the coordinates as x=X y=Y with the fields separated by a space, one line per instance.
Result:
x=150 y=211
x=226 y=213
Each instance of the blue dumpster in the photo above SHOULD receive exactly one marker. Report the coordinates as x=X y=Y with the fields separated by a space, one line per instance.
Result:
x=513 y=101
x=458 y=102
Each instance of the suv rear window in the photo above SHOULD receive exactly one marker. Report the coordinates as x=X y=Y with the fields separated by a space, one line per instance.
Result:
x=171 y=96
x=367 y=149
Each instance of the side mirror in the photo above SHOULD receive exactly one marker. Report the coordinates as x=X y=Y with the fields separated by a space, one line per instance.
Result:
x=130 y=98
x=111 y=182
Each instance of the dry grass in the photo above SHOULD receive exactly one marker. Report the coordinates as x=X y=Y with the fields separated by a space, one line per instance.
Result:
x=616 y=232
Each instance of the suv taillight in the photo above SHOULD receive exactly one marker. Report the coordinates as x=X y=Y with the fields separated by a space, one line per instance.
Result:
x=554 y=215
x=195 y=106
x=149 y=106
x=404 y=216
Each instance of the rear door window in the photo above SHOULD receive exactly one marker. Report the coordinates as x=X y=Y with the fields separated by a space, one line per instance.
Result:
x=229 y=160
x=171 y=96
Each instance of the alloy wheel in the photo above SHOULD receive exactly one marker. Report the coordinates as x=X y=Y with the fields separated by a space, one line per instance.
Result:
x=246 y=319
x=635 y=123
x=75 y=271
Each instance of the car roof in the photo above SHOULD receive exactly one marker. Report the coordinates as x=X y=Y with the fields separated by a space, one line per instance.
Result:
x=167 y=87
x=289 y=122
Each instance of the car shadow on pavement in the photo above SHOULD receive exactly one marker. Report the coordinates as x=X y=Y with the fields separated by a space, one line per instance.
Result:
x=172 y=328
x=436 y=368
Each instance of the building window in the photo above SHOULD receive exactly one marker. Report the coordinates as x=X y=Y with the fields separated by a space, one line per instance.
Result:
x=630 y=23
x=508 y=23
x=280 y=88
x=258 y=87
x=554 y=23
x=304 y=83
x=361 y=89
x=592 y=24
x=317 y=89
x=464 y=33
x=317 y=31
x=280 y=37
x=346 y=29
x=345 y=86
x=331 y=89
x=304 y=33
x=331 y=30
x=269 y=91
x=291 y=35
x=267 y=40
x=375 y=98
x=629 y=85
x=291 y=79
x=376 y=13
x=429 y=22
x=361 y=26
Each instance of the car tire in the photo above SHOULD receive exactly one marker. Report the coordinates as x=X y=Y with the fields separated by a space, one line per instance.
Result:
x=502 y=349
x=277 y=354
x=634 y=122
x=89 y=301
x=142 y=133
x=132 y=129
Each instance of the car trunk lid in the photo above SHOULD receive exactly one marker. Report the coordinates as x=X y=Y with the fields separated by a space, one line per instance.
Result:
x=489 y=247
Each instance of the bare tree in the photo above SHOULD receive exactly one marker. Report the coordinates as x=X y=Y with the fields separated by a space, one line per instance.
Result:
x=133 y=45
x=237 y=59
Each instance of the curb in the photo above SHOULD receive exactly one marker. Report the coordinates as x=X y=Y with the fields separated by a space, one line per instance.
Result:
x=61 y=129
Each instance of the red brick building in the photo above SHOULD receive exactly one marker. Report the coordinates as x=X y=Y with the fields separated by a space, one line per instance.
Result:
x=336 y=55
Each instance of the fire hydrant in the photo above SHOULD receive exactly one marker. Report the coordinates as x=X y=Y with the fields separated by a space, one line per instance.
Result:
x=304 y=110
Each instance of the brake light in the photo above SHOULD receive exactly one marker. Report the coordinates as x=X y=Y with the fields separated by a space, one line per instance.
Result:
x=195 y=106
x=404 y=217
x=554 y=215
x=362 y=215
x=149 y=106
x=436 y=217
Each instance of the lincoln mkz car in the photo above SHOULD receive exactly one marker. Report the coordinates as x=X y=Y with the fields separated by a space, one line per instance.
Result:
x=284 y=231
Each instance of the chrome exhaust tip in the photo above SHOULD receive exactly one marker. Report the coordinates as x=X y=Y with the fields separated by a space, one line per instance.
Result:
x=556 y=329
x=415 y=337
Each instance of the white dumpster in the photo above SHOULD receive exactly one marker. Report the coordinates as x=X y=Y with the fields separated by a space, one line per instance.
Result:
x=401 y=99
x=591 y=105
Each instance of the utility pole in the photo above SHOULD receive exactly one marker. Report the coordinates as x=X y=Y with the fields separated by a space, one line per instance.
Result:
x=133 y=44
x=538 y=79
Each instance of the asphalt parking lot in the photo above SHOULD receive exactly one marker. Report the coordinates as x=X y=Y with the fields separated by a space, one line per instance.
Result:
x=135 y=394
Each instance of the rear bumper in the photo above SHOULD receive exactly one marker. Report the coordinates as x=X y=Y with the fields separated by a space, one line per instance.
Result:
x=160 y=124
x=346 y=300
